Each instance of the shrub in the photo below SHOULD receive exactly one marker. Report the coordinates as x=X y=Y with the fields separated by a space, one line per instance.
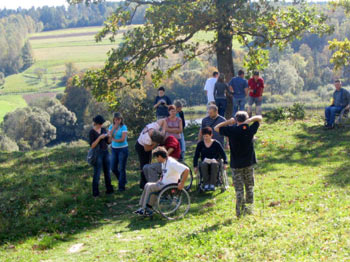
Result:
x=29 y=126
x=6 y=144
x=276 y=114
x=297 y=111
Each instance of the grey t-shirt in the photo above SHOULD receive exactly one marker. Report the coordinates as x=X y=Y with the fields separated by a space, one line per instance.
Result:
x=207 y=121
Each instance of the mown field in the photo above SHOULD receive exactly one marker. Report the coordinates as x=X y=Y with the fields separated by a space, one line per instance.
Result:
x=301 y=210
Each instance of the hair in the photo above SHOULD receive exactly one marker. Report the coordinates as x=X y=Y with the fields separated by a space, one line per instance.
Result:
x=160 y=151
x=240 y=72
x=337 y=81
x=207 y=131
x=171 y=107
x=221 y=78
x=215 y=74
x=157 y=137
x=241 y=116
x=213 y=107
x=161 y=89
x=256 y=73
x=118 y=115
x=98 y=120
x=178 y=103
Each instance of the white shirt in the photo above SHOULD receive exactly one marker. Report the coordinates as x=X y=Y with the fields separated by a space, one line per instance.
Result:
x=172 y=171
x=144 y=138
x=209 y=87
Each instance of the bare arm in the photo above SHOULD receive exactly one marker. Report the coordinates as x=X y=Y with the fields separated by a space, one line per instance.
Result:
x=122 y=139
x=231 y=121
x=183 y=179
x=174 y=130
x=253 y=119
x=149 y=147
x=200 y=135
x=95 y=143
x=170 y=151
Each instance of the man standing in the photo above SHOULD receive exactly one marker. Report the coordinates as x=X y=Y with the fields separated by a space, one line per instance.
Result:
x=161 y=103
x=243 y=157
x=256 y=88
x=212 y=120
x=209 y=87
x=172 y=173
x=341 y=99
x=239 y=87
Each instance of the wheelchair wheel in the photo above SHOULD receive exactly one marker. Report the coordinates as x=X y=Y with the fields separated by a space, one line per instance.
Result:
x=173 y=203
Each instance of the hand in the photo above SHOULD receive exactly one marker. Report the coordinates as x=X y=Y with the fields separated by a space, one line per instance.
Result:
x=260 y=98
x=231 y=121
x=225 y=166
x=180 y=186
x=196 y=170
x=102 y=136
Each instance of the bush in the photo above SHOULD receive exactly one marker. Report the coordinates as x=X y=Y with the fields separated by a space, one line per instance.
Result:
x=6 y=144
x=30 y=127
x=295 y=112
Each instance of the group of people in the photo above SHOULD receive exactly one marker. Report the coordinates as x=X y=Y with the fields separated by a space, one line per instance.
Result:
x=238 y=90
x=164 y=140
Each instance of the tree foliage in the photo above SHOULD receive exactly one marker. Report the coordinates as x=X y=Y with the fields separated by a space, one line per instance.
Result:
x=29 y=127
x=171 y=26
x=7 y=144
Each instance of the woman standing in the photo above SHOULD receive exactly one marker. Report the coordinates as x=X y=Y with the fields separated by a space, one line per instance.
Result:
x=220 y=90
x=173 y=125
x=99 y=139
x=149 y=138
x=118 y=137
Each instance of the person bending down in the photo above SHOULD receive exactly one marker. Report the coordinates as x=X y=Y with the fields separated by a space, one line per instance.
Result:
x=173 y=172
x=210 y=151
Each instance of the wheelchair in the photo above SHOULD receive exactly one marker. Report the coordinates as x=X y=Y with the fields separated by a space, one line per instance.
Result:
x=222 y=179
x=173 y=203
x=343 y=116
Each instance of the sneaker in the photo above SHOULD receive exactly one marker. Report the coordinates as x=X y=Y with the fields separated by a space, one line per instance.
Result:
x=148 y=212
x=212 y=188
x=139 y=211
x=206 y=188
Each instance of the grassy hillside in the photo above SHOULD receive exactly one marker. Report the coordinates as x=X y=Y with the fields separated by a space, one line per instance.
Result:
x=302 y=207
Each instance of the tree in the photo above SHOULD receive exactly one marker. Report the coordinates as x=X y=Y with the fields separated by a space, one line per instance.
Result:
x=2 y=79
x=6 y=144
x=71 y=70
x=27 y=56
x=29 y=126
x=172 y=24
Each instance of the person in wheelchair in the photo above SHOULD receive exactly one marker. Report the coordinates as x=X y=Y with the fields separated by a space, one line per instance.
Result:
x=210 y=151
x=173 y=172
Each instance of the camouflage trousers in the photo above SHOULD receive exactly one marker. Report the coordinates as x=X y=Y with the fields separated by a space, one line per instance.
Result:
x=243 y=178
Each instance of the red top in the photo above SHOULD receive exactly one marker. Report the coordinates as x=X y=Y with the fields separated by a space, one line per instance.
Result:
x=258 y=86
x=172 y=142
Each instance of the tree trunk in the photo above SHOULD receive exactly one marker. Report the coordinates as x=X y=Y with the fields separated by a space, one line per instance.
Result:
x=225 y=61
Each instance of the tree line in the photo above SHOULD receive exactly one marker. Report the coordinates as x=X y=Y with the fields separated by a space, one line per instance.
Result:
x=79 y=15
x=15 y=50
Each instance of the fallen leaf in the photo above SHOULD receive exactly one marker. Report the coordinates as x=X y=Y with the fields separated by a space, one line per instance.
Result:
x=274 y=203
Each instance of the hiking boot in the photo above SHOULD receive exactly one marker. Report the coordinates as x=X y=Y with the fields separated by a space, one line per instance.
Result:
x=148 y=212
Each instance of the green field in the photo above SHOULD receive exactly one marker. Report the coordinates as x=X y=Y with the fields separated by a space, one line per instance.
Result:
x=9 y=103
x=302 y=205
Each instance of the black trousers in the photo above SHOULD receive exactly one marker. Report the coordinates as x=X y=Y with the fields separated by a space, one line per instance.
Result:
x=144 y=158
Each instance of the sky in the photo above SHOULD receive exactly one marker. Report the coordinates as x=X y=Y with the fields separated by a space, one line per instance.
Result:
x=14 y=4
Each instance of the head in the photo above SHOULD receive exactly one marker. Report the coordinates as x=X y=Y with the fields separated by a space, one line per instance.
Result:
x=161 y=154
x=216 y=75
x=178 y=104
x=241 y=117
x=172 y=110
x=207 y=133
x=337 y=84
x=161 y=91
x=256 y=75
x=241 y=73
x=98 y=121
x=118 y=119
x=221 y=78
x=157 y=137
x=213 y=111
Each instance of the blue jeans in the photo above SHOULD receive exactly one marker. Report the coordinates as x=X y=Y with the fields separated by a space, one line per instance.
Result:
x=238 y=105
x=330 y=113
x=102 y=163
x=183 y=146
x=119 y=158
x=221 y=104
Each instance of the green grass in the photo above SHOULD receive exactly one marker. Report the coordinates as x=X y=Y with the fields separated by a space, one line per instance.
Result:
x=9 y=103
x=302 y=205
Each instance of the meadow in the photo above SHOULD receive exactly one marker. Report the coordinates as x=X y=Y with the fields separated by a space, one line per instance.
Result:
x=302 y=206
